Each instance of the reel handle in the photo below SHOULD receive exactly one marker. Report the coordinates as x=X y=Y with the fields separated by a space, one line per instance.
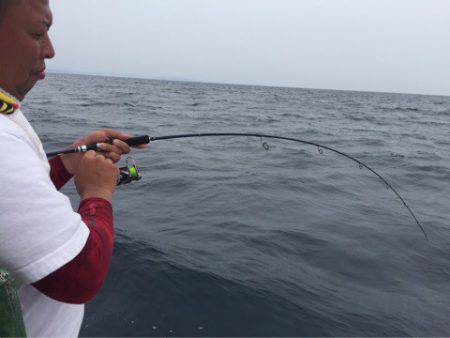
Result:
x=124 y=176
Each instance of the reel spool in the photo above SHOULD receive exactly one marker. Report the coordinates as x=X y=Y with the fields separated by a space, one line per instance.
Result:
x=129 y=173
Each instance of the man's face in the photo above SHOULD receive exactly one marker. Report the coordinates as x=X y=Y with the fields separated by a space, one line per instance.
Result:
x=25 y=45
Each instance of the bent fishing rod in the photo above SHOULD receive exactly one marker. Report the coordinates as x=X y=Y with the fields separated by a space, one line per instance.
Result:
x=132 y=173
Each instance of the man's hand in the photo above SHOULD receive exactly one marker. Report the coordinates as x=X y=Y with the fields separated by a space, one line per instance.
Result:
x=112 y=151
x=97 y=176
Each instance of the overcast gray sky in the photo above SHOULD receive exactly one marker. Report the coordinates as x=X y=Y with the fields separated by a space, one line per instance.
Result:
x=371 y=45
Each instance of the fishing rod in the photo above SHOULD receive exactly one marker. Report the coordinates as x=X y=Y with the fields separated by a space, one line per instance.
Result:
x=132 y=141
x=132 y=173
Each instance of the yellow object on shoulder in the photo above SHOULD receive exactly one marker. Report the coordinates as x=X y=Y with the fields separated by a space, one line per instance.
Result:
x=8 y=104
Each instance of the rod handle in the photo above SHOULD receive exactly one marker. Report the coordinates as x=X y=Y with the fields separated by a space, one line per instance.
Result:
x=132 y=141
x=135 y=141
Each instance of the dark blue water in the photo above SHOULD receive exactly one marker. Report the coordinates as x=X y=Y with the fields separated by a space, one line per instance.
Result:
x=224 y=238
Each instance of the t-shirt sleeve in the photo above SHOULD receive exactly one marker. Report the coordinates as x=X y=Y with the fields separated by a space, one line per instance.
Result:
x=39 y=230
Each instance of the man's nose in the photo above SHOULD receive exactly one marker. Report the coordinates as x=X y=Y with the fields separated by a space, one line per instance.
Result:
x=48 y=50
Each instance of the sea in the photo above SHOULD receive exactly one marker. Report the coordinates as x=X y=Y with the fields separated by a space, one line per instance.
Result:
x=253 y=236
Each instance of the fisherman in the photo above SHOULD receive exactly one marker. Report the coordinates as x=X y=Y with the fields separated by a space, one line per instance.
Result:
x=58 y=257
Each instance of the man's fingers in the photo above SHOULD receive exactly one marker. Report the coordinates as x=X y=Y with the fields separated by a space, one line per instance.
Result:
x=119 y=147
x=142 y=146
x=110 y=161
x=98 y=155
x=113 y=157
x=109 y=156
x=90 y=153
x=105 y=147
x=122 y=145
x=111 y=133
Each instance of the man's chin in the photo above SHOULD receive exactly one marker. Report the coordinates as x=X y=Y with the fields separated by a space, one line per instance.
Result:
x=23 y=91
x=41 y=75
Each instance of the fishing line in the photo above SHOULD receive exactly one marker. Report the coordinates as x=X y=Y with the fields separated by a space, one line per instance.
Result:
x=146 y=139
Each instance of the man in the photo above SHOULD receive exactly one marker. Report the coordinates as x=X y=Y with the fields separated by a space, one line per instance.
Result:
x=58 y=257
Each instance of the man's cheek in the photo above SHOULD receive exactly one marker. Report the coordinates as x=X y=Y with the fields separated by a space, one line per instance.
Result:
x=22 y=75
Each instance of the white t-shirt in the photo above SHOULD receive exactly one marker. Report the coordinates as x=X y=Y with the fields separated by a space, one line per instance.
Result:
x=39 y=231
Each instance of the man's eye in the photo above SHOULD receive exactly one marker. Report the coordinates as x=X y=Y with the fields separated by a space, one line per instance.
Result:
x=38 y=36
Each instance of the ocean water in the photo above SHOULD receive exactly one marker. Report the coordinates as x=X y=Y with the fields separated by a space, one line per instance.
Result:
x=222 y=237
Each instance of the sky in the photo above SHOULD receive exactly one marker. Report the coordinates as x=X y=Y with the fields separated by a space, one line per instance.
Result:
x=398 y=46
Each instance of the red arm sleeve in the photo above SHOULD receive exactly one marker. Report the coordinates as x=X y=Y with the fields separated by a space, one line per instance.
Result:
x=58 y=173
x=81 y=279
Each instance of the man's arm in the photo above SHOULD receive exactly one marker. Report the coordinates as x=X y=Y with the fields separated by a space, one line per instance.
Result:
x=81 y=279
x=58 y=172
x=49 y=235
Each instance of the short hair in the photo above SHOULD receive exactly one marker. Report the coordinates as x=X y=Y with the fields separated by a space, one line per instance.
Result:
x=4 y=4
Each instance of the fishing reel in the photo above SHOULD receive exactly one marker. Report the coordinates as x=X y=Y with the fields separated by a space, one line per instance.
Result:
x=129 y=173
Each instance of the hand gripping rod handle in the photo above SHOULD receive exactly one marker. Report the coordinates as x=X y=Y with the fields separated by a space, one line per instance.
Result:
x=132 y=141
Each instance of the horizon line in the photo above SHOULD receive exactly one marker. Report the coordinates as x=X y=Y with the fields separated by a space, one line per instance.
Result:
x=125 y=76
